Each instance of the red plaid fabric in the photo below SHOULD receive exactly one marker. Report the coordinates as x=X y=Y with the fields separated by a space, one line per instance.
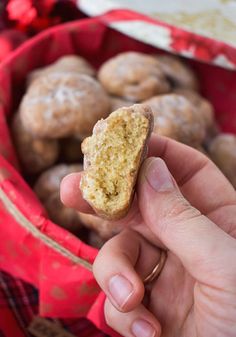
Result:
x=19 y=305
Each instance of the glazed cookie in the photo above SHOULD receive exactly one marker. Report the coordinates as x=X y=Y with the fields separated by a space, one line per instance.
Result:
x=222 y=151
x=35 y=154
x=177 y=72
x=112 y=157
x=205 y=108
x=69 y=63
x=117 y=103
x=104 y=228
x=60 y=105
x=49 y=181
x=134 y=76
x=177 y=118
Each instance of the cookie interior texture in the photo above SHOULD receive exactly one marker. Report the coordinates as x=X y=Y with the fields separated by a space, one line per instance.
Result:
x=114 y=153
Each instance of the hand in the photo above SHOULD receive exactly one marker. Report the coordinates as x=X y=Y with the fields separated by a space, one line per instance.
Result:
x=189 y=210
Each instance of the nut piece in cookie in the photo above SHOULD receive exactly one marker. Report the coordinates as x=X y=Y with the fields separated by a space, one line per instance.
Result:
x=133 y=76
x=35 y=154
x=112 y=157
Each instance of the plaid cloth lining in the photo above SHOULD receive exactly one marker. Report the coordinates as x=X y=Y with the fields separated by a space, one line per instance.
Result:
x=19 y=304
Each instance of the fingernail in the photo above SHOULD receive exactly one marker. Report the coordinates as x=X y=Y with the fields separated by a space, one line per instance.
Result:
x=120 y=289
x=142 y=328
x=158 y=175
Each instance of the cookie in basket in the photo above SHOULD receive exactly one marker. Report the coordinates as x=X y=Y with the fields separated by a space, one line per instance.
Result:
x=70 y=63
x=133 y=76
x=61 y=215
x=222 y=150
x=177 y=72
x=49 y=181
x=117 y=103
x=47 y=189
x=204 y=107
x=176 y=117
x=35 y=154
x=112 y=157
x=60 y=105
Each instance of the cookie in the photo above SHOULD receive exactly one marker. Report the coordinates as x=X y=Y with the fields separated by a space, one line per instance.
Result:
x=35 y=154
x=176 y=117
x=133 y=76
x=205 y=108
x=61 y=105
x=112 y=157
x=47 y=188
x=177 y=72
x=117 y=103
x=222 y=151
x=60 y=214
x=49 y=181
x=69 y=63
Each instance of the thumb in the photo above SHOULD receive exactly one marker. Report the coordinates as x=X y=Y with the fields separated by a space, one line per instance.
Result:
x=205 y=250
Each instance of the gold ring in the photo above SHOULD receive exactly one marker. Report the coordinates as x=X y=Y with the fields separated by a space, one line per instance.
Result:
x=157 y=269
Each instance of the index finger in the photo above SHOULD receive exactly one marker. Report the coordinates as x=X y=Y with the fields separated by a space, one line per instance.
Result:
x=71 y=195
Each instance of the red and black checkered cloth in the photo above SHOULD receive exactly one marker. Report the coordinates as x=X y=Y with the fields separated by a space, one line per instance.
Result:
x=19 y=305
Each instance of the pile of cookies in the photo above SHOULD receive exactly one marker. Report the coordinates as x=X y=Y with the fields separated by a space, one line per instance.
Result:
x=64 y=101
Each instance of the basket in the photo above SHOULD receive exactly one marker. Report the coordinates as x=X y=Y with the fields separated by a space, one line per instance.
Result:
x=33 y=248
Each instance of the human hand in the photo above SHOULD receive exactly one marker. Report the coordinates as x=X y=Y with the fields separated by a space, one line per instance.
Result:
x=190 y=212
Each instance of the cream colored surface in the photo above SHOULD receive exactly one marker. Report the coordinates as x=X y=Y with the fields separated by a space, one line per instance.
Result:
x=213 y=23
x=212 y=18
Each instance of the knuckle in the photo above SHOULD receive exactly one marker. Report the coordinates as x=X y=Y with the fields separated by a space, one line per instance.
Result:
x=178 y=210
